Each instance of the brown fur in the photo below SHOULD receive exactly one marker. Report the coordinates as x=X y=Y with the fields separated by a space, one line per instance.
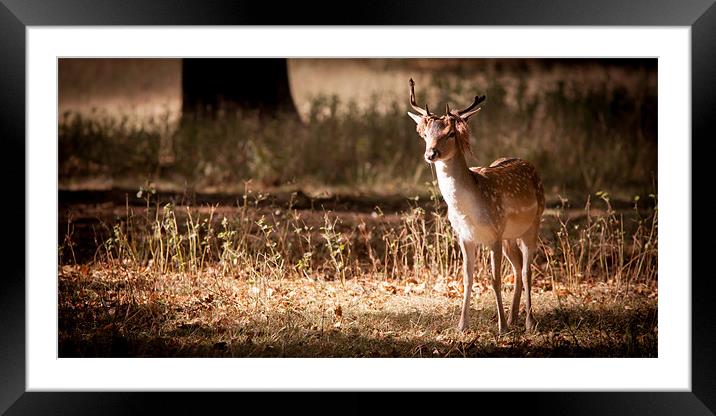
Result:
x=510 y=179
x=443 y=126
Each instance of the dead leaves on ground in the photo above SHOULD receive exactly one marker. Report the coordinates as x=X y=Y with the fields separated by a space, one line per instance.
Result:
x=250 y=315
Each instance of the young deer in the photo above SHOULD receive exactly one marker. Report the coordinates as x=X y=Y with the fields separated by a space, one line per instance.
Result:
x=499 y=206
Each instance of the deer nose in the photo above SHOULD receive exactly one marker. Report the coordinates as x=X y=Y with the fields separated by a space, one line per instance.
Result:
x=431 y=154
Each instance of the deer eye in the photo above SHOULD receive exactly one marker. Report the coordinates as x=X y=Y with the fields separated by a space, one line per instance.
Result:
x=452 y=134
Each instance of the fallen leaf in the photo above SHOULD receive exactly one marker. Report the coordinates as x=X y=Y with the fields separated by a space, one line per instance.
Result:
x=455 y=288
x=389 y=288
x=562 y=292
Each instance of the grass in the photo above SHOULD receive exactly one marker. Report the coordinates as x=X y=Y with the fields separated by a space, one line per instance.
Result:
x=586 y=127
x=273 y=280
x=111 y=311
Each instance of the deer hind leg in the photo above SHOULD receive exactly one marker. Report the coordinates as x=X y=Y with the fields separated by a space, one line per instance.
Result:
x=468 y=266
x=512 y=251
x=496 y=256
x=528 y=246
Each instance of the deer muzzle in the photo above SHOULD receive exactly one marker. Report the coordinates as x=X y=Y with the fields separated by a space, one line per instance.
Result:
x=431 y=155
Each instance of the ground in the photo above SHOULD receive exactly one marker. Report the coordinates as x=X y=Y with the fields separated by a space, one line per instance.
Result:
x=110 y=312
x=113 y=306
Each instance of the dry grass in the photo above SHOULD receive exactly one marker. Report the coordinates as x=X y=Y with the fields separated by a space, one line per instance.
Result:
x=273 y=280
x=113 y=311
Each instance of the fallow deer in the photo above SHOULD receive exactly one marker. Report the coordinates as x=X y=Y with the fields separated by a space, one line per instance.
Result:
x=499 y=206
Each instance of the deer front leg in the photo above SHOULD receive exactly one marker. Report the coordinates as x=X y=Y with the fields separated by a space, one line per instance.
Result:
x=468 y=266
x=496 y=256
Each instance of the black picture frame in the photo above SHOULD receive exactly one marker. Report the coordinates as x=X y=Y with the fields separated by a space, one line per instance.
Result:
x=16 y=15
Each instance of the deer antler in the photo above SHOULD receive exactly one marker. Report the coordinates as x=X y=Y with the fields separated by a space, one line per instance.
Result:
x=478 y=100
x=426 y=111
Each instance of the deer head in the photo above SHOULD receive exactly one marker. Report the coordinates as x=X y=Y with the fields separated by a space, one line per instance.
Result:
x=445 y=135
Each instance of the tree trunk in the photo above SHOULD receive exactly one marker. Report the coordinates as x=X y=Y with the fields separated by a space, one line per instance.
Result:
x=259 y=84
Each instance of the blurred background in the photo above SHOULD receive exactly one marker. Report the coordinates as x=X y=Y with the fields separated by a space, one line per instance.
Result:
x=339 y=126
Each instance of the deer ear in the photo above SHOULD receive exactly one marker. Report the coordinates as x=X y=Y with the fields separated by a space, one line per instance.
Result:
x=416 y=118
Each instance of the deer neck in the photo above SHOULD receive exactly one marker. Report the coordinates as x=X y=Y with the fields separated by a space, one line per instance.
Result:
x=456 y=182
